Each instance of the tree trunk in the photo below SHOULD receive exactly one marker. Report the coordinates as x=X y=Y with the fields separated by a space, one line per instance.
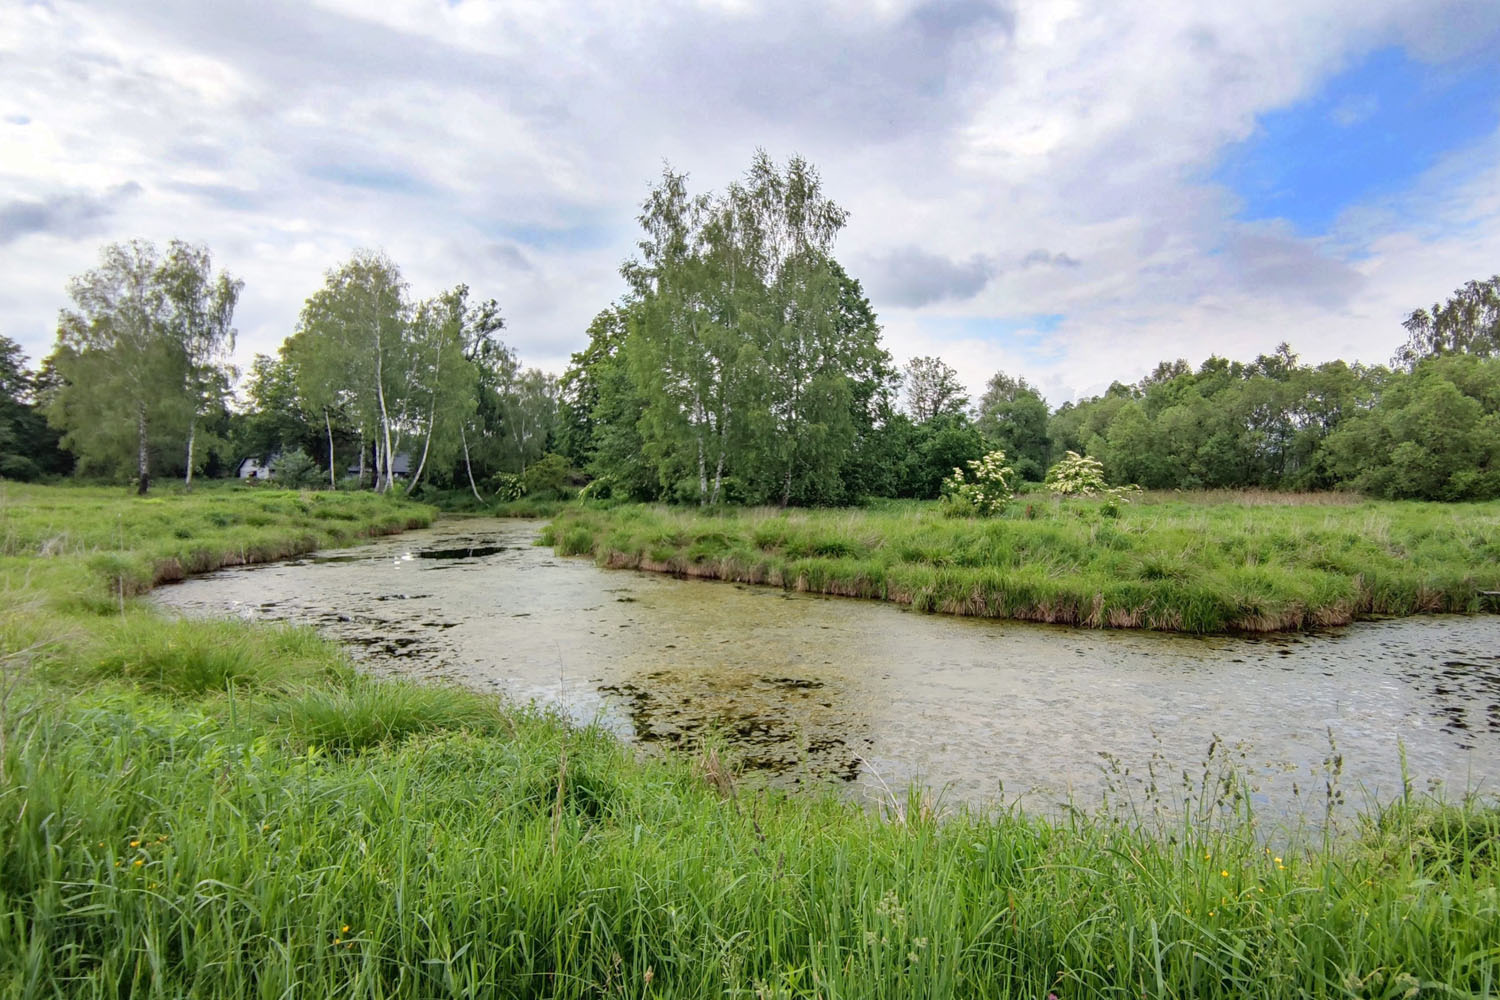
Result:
x=465 y=439
x=143 y=454
x=702 y=459
x=431 y=414
x=333 y=482
x=385 y=417
x=187 y=480
x=361 y=458
x=718 y=476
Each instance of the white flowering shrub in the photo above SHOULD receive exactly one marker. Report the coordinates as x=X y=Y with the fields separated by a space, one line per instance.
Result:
x=507 y=487
x=1080 y=476
x=1076 y=476
x=984 y=491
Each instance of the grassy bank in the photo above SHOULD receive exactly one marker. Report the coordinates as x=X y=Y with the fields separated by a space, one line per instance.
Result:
x=227 y=810
x=1167 y=562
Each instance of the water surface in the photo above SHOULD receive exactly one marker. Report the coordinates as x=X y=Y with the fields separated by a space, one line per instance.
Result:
x=816 y=689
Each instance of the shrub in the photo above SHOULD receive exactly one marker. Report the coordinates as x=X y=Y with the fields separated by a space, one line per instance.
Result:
x=1076 y=476
x=296 y=470
x=989 y=492
x=506 y=486
x=549 y=476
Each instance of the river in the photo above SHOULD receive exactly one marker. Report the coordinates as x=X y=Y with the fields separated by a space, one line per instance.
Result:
x=876 y=698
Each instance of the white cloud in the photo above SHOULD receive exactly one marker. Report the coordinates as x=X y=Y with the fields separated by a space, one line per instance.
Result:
x=1050 y=158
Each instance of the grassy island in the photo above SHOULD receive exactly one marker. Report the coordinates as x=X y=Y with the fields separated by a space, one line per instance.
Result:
x=220 y=809
x=1215 y=562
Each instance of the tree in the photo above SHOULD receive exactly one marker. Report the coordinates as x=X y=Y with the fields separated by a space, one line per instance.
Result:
x=528 y=404
x=442 y=375
x=1468 y=323
x=580 y=388
x=351 y=349
x=1012 y=416
x=201 y=319
x=122 y=358
x=932 y=388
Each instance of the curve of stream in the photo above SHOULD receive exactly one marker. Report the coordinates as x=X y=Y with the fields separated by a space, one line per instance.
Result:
x=815 y=689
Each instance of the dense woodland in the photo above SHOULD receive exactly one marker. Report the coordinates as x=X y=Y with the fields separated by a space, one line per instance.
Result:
x=743 y=364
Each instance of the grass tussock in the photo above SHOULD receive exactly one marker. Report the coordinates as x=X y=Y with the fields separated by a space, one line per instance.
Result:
x=227 y=810
x=1169 y=563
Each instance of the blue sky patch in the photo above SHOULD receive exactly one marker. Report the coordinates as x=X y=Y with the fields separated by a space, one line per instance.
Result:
x=372 y=178
x=1371 y=130
x=1027 y=335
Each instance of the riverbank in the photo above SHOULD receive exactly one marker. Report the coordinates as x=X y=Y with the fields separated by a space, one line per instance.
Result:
x=1166 y=562
x=225 y=810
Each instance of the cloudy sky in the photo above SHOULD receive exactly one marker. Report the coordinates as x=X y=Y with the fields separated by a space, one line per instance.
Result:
x=1069 y=190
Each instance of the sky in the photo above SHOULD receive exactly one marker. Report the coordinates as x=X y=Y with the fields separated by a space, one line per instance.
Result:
x=1065 y=190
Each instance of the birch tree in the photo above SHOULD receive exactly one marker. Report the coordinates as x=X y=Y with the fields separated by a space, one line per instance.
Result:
x=352 y=342
x=123 y=369
x=201 y=319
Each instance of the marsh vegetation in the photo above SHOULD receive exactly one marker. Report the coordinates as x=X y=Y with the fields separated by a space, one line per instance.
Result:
x=227 y=809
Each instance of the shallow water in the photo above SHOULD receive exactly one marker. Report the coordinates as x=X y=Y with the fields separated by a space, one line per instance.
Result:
x=815 y=689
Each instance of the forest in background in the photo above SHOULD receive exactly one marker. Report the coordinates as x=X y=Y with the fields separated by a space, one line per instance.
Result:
x=743 y=364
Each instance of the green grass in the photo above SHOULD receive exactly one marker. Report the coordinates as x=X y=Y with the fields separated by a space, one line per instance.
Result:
x=1228 y=563
x=229 y=810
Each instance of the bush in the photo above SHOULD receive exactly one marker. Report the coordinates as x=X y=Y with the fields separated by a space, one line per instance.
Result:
x=296 y=470
x=1076 y=476
x=549 y=476
x=506 y=486
x=988 y=494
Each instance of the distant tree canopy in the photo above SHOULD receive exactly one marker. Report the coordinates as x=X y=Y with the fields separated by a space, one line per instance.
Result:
x=29 y=448
x=1468 y=323
x=142 y=356
x=743 y=364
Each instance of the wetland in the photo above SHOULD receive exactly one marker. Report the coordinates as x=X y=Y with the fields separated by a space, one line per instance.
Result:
x=805 y=688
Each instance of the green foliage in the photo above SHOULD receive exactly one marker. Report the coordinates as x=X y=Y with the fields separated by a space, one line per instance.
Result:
x=1012 y=416
x=550 y=477
x=751 y=358
x=1076 y=476
x=295 y=470
x=506 y=486
x=230 y=810
x=1468 y=323
x=141 y=356
x=1230 y=563
x=985 y=491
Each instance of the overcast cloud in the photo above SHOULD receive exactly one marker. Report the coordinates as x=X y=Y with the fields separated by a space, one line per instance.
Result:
x=1067 y=190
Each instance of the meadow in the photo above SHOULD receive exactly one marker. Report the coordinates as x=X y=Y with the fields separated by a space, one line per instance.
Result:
x=221 y=809
x=1222 y=562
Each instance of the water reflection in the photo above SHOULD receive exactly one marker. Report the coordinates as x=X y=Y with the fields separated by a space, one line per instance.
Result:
x=807 y=688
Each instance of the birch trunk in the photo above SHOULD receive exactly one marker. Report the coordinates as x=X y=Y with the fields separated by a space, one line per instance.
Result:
x=333 y=482
x=192 y=433
x=143 y=453
x=470 y=468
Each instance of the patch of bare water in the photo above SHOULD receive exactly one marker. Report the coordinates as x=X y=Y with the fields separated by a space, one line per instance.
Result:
x=815 y=689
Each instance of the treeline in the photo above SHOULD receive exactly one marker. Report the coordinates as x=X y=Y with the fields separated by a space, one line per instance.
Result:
x=373 y=387
x=742 y=365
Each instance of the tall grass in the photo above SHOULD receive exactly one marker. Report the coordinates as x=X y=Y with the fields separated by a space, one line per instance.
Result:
x=214 y=850
x=230 y=810
x=1167 y=563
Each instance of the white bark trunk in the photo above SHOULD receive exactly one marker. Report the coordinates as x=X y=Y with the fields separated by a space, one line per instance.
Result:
x=467 y=465
x=333 y=482
x=192 y=433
